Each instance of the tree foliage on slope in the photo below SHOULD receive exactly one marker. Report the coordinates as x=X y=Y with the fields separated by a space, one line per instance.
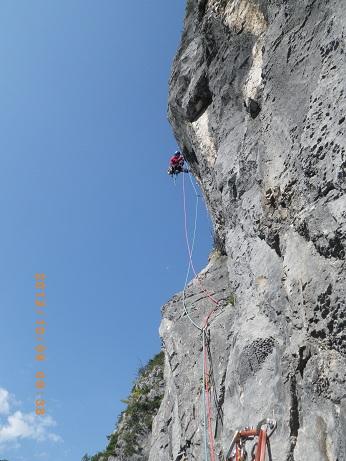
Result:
x=134 y=423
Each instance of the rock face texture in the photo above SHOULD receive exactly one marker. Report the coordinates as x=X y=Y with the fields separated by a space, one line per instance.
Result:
x=257 y=103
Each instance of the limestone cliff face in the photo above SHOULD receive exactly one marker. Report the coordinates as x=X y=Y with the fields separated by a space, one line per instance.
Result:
x=257 y=104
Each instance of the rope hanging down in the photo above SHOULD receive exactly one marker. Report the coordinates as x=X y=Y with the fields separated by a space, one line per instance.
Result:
x=266 y=427
x=207 y=406
x=189 y=249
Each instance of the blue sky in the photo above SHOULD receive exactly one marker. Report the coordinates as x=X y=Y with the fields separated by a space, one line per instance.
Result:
x=85 y=199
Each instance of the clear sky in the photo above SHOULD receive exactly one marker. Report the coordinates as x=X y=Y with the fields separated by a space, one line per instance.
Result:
x=84 y=198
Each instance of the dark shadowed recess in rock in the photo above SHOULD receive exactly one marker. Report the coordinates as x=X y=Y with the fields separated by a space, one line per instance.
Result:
x=273 y=240
x=202 y=4
x=190 y=155
x=253 y=108
x=200 y=100
x=294 y=418
x=327 y=322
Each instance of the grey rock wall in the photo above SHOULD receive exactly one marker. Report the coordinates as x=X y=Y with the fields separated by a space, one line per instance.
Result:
x=257 y=104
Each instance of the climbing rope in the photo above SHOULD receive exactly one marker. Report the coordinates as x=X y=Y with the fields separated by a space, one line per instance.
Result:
x=190 y=249
x=205 y=435
x=266 y=427
x=207 y=392
x=207 y=406
x=191 y=264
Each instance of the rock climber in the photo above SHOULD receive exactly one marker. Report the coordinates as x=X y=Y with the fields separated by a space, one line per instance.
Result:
x=176 y=164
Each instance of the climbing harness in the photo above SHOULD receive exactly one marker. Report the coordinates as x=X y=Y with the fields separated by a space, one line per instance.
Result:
x=173 y=172
x=260 y=435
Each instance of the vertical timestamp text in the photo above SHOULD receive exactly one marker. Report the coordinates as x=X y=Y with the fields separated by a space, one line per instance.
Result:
x=40 y=347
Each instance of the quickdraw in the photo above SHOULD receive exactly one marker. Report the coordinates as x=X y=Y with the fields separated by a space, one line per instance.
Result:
x=260 y=435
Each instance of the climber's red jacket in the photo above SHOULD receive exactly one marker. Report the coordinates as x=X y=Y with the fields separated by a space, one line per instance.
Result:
x=175 y=160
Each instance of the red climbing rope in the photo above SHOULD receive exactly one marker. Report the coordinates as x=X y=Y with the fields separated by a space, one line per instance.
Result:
x=266 y=427
x=205 y=326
